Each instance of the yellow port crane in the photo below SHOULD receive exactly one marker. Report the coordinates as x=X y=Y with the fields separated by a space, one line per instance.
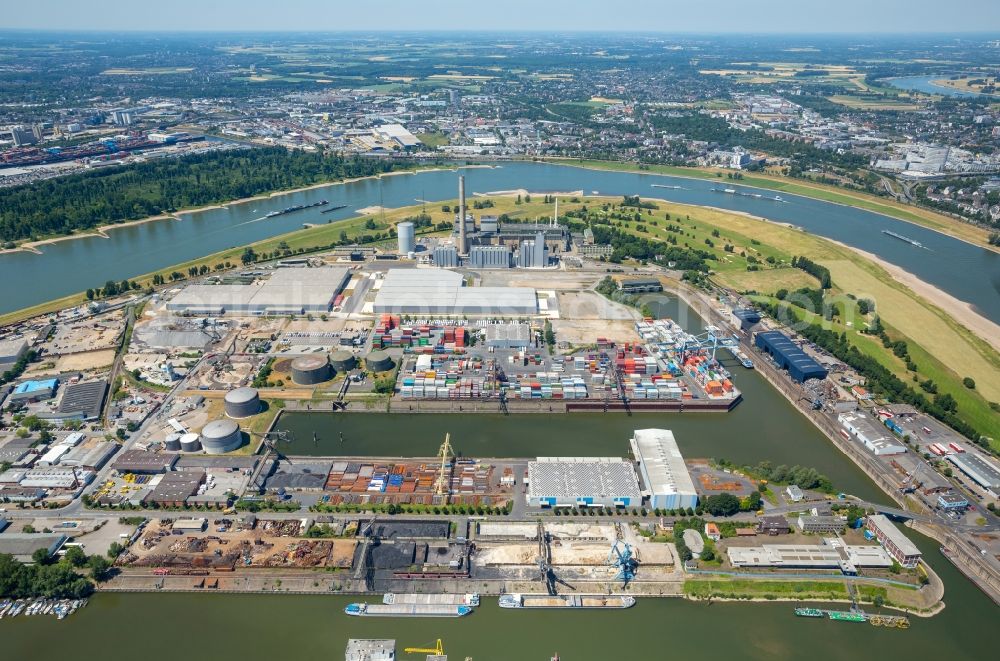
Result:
x=445 y=452
x=439 y=650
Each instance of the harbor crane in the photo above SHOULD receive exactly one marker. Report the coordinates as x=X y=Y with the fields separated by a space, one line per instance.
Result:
x=441 y=484
x=437 y=650
x=712 y=339
x=545 y=567
x=622 y=559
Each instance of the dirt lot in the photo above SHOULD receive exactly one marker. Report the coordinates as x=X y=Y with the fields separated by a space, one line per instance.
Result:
x=235 y=549
x=82 y=362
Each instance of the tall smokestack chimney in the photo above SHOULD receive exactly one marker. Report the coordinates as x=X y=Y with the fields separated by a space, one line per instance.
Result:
x=463 y=245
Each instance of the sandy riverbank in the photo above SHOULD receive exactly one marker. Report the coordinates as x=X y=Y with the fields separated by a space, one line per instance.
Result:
x=958 y=310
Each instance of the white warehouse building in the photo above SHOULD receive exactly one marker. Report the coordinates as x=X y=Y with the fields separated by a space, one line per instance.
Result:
x=286 y=291
x=861 y=427
x=441 y=292
x=582 y=482
x=664 y=474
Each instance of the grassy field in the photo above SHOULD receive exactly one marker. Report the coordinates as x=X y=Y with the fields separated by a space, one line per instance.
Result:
x=911 y=214
x=862 y=103
x=736 y=588
x=433 y=140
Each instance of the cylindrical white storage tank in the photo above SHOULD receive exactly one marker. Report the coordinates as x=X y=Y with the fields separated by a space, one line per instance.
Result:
x=406 y=238
x=242 y=402
x=172 y=442
x=310 y=370
x=190 y=442
x=221 y=436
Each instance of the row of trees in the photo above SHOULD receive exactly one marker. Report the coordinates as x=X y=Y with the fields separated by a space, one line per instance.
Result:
x=818 y=271
x=112 y=195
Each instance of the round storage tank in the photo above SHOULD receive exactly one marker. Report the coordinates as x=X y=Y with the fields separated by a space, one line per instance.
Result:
x=310 y=370
x=221 y=436
x=190 y=442
x=379 y=361
x=172 y=443
x=405 y=236
x=242 y=402
x=343 y=361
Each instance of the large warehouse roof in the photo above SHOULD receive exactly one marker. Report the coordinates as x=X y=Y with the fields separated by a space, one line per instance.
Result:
x=439 y=291
x=657 y=450
x=85 y=398
x=980 y=470
x=569 y=478
x=291 y=290
x=790 y=356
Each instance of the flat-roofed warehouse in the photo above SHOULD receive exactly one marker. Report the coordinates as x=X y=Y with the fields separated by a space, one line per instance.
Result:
x=23 y=545
x=982 y=472
x=83 y=400
x=582 y=482
x=789 y=356
x=508 y=336
x=286 y=291
x=10 y=352
x=142 y=461
x=175 y=487
x=441 y=292
x=664 y=474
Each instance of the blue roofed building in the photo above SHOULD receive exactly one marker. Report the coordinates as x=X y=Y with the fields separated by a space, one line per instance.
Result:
x=789 y=356
x=34 y=391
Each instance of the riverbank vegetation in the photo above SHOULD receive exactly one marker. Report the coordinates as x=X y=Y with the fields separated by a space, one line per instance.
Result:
x=51 y=580
x=113 y=195
x=808 y=188
x=746 y=589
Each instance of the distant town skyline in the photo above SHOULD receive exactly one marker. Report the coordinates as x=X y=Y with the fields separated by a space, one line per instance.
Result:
x=723 y=16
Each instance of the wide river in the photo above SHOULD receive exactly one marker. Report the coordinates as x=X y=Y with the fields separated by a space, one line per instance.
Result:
x=967 y=272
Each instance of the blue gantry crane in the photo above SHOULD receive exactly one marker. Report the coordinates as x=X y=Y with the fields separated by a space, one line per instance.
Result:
x=622 y=559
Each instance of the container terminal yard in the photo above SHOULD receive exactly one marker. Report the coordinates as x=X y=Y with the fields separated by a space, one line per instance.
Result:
x=165 y=434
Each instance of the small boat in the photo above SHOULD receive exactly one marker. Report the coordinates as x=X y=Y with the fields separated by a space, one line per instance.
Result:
x=809 y=612
x=666 y=186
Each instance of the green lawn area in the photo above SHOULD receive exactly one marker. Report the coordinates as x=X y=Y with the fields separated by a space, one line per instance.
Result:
x=737 y=588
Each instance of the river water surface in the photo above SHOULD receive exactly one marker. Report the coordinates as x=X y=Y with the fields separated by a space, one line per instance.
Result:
x=967 y=272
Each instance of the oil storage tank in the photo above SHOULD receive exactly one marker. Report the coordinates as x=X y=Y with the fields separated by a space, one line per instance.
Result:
x=405 y=238
x=242 y=402
x=221 y=436
x=343 y=361
x=172 y=442
x=310 y=370
x=190 y=442
x=379 y=361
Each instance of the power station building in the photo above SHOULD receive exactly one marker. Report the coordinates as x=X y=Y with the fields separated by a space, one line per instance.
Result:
x=533 y=253
x=446 y=257
x=490 y=257
x=664 y=475
x=441 y=292
x=789 y=356
x=286 y=291
x=582 y=482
